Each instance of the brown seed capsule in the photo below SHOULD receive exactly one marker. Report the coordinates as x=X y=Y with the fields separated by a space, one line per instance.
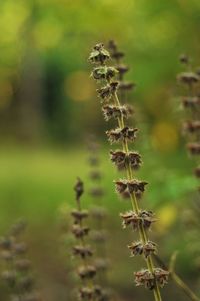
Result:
x=126 y=86
x=188 y=78
x=78 y=188
x=146 y=278
x=106 y=92
x=132 y=186
x=99 y=54
x=79 y=231
x=82 y=251
x=119 y=134
x=191 y=126
x=112 y=111
x=194 y=148
x=197 y=172
x=121 y=160
x=161 y=276
x=191 y=102
x=86 y=293
x=136 y=248
x=88 y=271
x=130 y=218
x=104 y=73
x=79 y=215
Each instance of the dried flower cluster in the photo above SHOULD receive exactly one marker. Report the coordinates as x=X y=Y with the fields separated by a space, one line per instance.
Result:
x=98 y=212
x=87 y=270
x=139 y=220
x=191 y=103
x=17 y=274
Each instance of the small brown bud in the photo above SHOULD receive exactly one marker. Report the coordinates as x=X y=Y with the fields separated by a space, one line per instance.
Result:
x=78 y=188
x=161 y=276
x=79 y=231
x=88 y=271
x=119 y=134
x=194 y=148
x=188 y=78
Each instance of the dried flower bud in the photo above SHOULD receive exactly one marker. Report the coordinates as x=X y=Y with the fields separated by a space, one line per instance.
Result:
x=86 y=293
x=10 y=277
x=184 y=59
x=112 y=111
x=144 y=218
x=119 y=134
x=137 y=248
x=191 y=102
x=191 y=126
x=79 y=215
x=126 y=86
x=132 y=186
x=122 y=69
x=79 y=231
x=197 y=172
x=19 y=248
x=146 y=278
x=194 y=148
x=95 y=175
x=94 y=161
x=188 y=78
x=22 y=265
x=99 y=54
x=98 y=213
x=104 y=73
x=161 y=276
x=96 y=192
x=108 y=91
x=82 y=251
x=121 y=160
x=88 y=271
x=98 y=236
x=78 y=188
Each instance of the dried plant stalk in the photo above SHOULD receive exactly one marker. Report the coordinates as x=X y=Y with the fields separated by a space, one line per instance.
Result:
x=140 y=220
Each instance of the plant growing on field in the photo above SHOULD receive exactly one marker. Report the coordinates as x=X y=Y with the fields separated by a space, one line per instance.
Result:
x=98 y=212
x=137 y=219
x=17 y=273
x=87 y=270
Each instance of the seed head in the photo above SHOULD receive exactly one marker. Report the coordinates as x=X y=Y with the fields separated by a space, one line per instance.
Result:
x=99 y=54
x=79 y=189
x=119 y=134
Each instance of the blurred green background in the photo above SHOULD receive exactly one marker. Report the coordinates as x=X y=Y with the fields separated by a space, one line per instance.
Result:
x=48 y=106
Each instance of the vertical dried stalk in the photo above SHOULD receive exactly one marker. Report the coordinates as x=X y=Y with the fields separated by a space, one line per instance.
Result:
x=140 y=220
x=86 y=271
x=18 y=268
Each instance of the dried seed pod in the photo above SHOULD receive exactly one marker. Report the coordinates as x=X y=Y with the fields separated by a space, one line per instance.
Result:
x=88 y=272
x=119 y=134
x=78 y=188
x=188 y=78
x=79 y=231
x=194 y=148
x=191 y=126
x=126 y=86
x=161 y=276
x=137 y=248
x=99 y=54
x=104 y=73
x=112 y=111
x=122 y=69
x=132 y=186
x=96 y=192
x=82 y=251
x=197 y=172
x=22 y=265
x=95 y=175
x=147 y=218
x=146 y=278
x=121 y=160
x=106 y=92
x=191 y=102
x=86 y=293
x=9 y=277
x=130 y=218
x=79 y=215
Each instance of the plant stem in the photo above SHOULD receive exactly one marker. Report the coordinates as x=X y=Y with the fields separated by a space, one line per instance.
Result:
x=135 y=206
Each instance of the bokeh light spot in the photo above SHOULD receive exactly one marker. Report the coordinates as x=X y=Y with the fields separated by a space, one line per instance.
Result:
x=79 y=87
x=167 y=216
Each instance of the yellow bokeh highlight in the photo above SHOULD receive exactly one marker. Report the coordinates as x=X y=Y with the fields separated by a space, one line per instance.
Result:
x=166 y=218
x=164 y=137
x=48 y=33
x=79 y=87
